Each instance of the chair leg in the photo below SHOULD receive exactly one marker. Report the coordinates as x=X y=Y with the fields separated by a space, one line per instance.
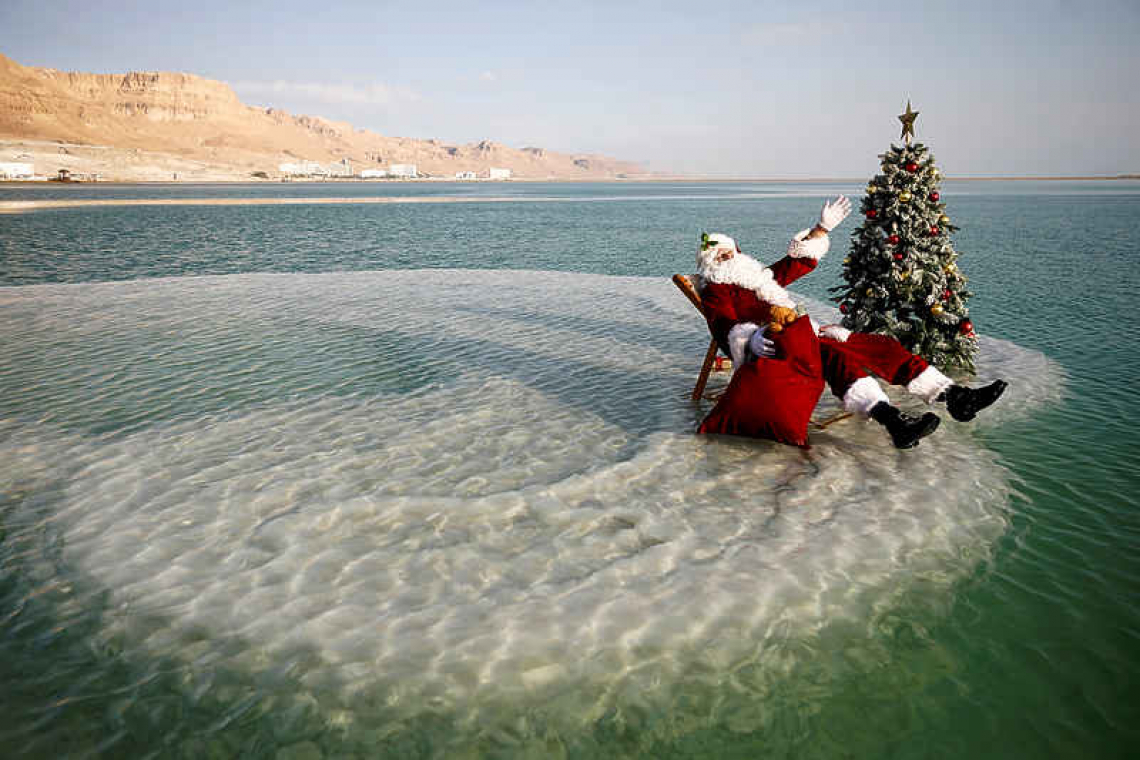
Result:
x=706 y=368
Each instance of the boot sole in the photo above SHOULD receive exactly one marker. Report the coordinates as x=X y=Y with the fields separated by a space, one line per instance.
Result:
x=966 y=417
x=926 y=430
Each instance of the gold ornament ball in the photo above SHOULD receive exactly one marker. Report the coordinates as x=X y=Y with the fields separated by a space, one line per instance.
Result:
x=904 y=274
x=871 y=189
x=847 y=260
x=936 y=309
x=870 y=292
x=934 y=172
x=944 y=219
x=905 y=196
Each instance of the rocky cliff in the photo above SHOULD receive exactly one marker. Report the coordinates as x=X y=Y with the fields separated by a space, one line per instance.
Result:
x=198 y=119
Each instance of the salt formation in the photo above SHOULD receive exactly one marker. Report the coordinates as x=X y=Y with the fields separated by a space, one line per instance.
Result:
x=461 y=493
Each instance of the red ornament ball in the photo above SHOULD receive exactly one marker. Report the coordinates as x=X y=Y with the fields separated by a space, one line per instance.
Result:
x=893 y=239
x=843 y=308
x=966 y=327
x=912 y=167
x=872 y=214
x=946 y=294
x=934 y=230
x=899 y=256
x=934 y=196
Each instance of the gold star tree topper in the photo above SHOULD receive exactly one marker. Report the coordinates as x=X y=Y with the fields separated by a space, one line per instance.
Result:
x=907 y=120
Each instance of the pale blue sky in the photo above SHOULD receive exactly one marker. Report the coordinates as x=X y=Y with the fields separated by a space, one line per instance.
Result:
x=759 y=89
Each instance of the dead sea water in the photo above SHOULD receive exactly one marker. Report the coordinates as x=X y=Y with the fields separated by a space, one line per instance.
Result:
x=417 y=480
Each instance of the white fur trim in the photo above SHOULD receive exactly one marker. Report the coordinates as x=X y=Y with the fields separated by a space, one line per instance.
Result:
x=738 y=338
x=929 y=383
x=862 y=396
x=803 y=248
x=720 y=240
x=837 y=333
x=746 y=272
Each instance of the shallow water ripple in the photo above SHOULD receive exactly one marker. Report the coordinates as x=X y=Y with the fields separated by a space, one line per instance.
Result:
x=343 y=511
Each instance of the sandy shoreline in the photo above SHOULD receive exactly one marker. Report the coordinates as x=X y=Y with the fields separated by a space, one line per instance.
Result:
x=130 y=166
x=17 y=207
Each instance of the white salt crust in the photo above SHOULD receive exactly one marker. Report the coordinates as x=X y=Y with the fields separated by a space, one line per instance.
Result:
x=533 y=524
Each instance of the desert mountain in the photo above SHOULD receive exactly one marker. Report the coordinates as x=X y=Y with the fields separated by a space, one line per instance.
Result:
x=182 y=120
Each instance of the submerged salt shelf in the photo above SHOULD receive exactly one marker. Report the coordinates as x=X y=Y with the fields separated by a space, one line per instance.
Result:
x=467 y=496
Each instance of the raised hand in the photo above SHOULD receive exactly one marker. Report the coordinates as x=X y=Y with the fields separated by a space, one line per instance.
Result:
x=834 y=212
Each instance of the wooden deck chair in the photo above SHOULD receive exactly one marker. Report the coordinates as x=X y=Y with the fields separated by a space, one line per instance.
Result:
x=686 y=287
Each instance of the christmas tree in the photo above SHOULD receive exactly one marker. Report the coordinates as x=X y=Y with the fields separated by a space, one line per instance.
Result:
x=902 y=276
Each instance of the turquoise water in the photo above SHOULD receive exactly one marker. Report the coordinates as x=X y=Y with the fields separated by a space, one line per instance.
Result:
x=231 y=434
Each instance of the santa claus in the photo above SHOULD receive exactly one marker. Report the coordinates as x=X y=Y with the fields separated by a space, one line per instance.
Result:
x=746 y=305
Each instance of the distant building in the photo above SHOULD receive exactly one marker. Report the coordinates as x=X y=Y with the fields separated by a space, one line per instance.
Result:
x=403 y=170
x=373 y=173
x=303 y=169
x=17 y=171
x=465 y=175
x=494 y=173
x=66 y=175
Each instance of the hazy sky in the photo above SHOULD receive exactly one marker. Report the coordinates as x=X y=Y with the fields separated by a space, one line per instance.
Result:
x=758 y=89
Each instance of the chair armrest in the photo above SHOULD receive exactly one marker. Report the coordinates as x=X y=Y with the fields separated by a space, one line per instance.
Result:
x=686 y=287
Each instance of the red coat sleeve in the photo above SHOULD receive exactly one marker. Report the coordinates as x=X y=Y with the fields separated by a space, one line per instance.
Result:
x=720 y=312
x=789 y=269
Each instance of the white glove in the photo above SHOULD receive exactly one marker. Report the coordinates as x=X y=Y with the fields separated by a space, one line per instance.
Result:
x=834 y=212
x=759 y=346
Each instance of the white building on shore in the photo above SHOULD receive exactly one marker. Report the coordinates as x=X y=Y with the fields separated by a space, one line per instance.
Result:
x=466 y=175
x=303 y=169
x=494 y=173
x=373 y=173
x=403 y=170
x=17 y=171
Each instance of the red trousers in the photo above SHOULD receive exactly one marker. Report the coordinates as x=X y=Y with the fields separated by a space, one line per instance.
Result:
x=862 y=354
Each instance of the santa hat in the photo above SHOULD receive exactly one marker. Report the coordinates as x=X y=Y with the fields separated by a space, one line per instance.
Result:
x=712 y=244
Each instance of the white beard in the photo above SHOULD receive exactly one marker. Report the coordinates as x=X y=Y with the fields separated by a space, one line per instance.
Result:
x=747 y=272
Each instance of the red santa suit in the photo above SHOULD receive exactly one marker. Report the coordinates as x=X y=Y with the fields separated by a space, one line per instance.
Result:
x=738 y=293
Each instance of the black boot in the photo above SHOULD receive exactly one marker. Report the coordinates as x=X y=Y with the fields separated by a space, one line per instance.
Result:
x=904 y=429
x=963 y=403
